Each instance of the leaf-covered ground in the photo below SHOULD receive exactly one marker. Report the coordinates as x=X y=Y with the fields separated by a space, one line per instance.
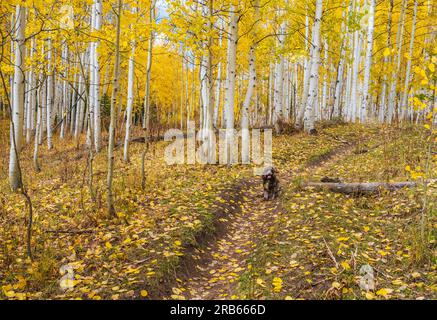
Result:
x=212 y=220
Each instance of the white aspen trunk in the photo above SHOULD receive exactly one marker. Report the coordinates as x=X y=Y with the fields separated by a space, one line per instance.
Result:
x=16 y=130
x=339 y=82
x=79 y=108
x=43 y=105
x=245 y=144
x=323 y=107
x=50 y=96
x=114 y=100
x=207 y=97
x=347 y=111
x=355 y=75
x=271 y=93
x=64 y=98
x=404 y=103
x=130 y=99
x=306 y=74
x=394 y=77
x=95 y=86
x=383 y=100
x=130 y=102
x=146 y=116
x=286 y=93
x=368 y=64
x=309 y=120
x=80 y=104
x=33 y=93
x=218 y=83
x=72 y=99
x=231 y=78
x=12 y=53
x=36 y=142
x=279 y=89
x=296 y=91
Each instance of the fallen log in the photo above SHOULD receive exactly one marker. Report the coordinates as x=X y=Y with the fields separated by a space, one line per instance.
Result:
x=359 y=188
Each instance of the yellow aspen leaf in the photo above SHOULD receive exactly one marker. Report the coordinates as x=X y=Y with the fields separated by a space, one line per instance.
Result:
x=277 y=284
x=260 y=282
x=370 y=296
x=144 y=293
x=345 y=265
x=10 y=293
x=384 y=292
x=340 y=239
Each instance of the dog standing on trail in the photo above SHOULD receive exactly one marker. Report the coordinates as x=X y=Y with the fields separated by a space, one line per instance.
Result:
x=270 y=183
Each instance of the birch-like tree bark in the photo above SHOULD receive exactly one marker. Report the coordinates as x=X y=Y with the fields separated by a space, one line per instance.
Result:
x=130 y=102
x=368 y=64
x=309 y=117
x=146 y=117
x=383 y=99
x=16 y=134
x=341 y=64
x=231 y=79
x=50 y=95
x=306 y=74
x=279 y=82
x=80 y=101
x=36 y=142
x=218 y=82
x=130 y=99
x=245 y=135
x=114 y=101
x=94 y=95
x=31 y=96
x=394 y=77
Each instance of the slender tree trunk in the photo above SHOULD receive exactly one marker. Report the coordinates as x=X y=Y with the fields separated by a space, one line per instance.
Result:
x=31 y=96
x=218 y=84
x=279 y=82
x=404 y=103
x=306 y=74
x=94 y=100
x=36 y=144
x=130 y=102
x=231 y=79
x=368 y=64
x=146 y=119
x=50 y=96
x=325 y=83
x=18 y=99
x=383 y=99
x=395 y=73
x=309 y=120
x=114 y=101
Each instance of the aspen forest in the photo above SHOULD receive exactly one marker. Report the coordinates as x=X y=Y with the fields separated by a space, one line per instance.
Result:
x=218 y=150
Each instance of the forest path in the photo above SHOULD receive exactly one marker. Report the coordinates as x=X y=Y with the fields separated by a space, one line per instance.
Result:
x=215 y=269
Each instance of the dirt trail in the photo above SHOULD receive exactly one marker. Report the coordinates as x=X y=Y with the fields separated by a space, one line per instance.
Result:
x=215 y=269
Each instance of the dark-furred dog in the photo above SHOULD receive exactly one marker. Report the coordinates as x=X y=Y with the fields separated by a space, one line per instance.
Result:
x=270 y=183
